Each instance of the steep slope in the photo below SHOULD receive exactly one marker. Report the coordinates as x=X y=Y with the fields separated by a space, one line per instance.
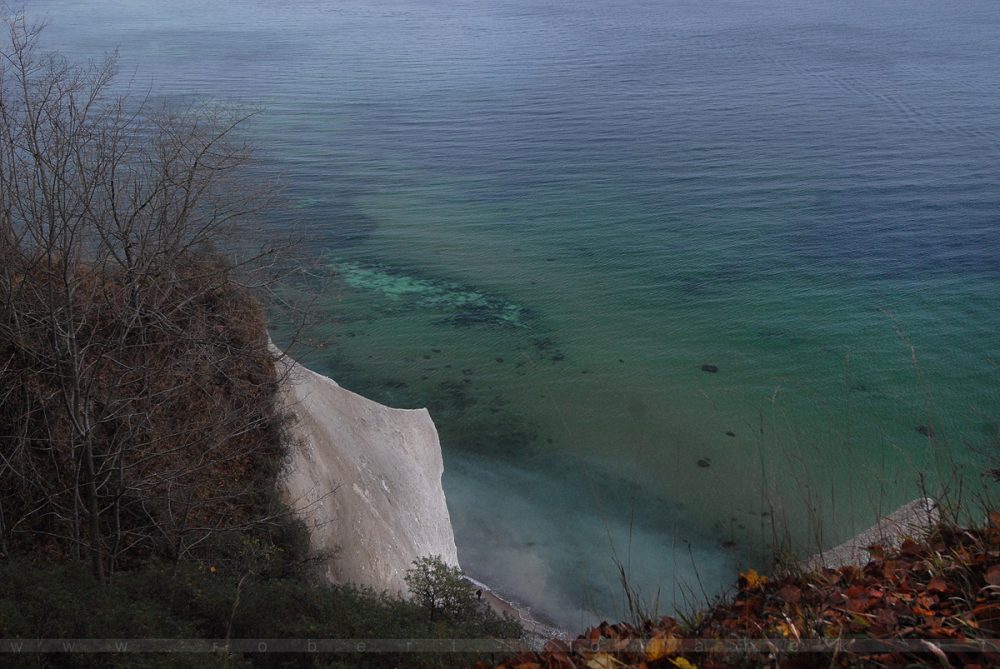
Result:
x=366 y=479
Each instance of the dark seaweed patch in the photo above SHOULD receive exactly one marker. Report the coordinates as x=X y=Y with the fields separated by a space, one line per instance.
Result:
x=693 y=286
x=346 y=225
x=451 y=396
x=543 y=344
x=360 y=379
x=546 y=347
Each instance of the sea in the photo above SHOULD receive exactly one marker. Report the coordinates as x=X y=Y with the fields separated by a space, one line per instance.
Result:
x=688 y=286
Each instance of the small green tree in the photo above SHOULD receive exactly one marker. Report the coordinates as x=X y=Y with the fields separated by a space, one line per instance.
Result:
x=441 y=589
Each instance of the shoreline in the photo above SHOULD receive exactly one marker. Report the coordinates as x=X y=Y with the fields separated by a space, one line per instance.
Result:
x=914 y=518
x=537 y=630
x=334 y=423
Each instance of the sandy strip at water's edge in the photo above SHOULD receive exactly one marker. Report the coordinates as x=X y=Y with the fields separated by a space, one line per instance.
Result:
x=536 y=632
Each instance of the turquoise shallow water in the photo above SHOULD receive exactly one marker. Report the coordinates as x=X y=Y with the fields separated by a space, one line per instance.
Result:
x=542 y=220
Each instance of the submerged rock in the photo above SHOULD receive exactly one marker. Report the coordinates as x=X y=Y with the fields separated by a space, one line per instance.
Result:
x=461 y=305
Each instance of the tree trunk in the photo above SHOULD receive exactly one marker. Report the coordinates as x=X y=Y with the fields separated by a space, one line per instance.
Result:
x=93 y=510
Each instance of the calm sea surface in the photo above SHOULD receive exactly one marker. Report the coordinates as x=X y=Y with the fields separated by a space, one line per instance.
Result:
x=542 y=219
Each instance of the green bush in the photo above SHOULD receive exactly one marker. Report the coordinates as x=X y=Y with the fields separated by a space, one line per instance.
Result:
x=440 y=589
x=63 y=600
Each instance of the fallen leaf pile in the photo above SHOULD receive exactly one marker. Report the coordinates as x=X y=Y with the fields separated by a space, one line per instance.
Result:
x=931 y=603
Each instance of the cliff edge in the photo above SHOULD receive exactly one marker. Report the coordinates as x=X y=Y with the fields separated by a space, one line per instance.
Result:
x=366 y=479
x=915 y=519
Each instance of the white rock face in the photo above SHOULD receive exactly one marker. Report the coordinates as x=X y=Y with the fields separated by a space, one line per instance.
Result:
x=913 y=519
x=366 y=479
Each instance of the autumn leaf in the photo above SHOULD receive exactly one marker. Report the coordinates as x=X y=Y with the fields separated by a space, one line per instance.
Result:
x=861 y=621
x=660 y=647
x=788 y=630
x=886 y=619
x=602 y=661
x=559 y=661
x=752 y=580
x=790 y=593
x=681 y=663
x=909 y=548
x=876 y=551
x=856 y=591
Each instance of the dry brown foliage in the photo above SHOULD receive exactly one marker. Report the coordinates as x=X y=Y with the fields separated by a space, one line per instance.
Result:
x=181 y=403
x=929 y=603
x=137 y=393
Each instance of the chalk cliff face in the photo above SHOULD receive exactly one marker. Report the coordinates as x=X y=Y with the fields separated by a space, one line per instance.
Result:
x=366 y=479
x=914 y=519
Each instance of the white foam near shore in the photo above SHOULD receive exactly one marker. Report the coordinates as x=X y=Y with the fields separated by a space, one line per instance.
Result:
x=366 y=479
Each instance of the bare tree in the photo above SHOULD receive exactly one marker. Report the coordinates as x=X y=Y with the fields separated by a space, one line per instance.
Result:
x=138 y=393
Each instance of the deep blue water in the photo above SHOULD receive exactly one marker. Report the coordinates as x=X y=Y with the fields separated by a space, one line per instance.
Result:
x=542 y=219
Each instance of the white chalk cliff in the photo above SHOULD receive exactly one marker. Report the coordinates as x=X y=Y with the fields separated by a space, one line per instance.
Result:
x=366 y=479
x=913 y=519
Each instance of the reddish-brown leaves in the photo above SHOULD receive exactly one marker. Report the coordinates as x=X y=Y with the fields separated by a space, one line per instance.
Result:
x=790 y=593
x=942 y=589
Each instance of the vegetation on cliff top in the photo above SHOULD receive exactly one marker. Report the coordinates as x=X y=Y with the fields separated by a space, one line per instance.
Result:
x=141 y=432
x=138 y=394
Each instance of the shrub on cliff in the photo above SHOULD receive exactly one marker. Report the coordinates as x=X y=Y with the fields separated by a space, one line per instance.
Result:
x=445 y=595
x=440 y=589
x=48 y=600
